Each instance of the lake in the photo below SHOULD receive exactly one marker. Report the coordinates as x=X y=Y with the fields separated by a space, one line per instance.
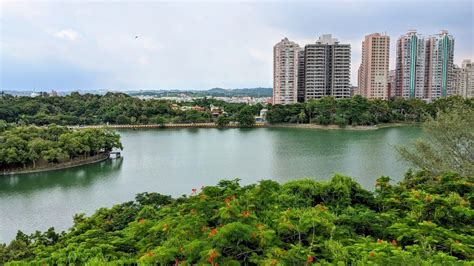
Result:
x=173 y=161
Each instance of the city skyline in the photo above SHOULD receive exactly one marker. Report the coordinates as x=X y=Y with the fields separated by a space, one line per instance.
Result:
x=195 y=45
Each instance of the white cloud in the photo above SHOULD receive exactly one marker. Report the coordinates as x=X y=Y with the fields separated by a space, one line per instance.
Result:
x=143 y=60
x=67 y=34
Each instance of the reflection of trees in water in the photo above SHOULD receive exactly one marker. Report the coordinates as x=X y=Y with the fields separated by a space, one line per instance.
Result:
x=81 y=176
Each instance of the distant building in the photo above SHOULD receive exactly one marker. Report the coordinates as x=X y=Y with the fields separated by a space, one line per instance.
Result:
x=464 y=79
x=327 y=68
x=439 y=66
x=263 y=116
x=373 y=71
x=198 y=108
x=285 y=72
x=216 y=110
x=355 y=91
x=410 y=66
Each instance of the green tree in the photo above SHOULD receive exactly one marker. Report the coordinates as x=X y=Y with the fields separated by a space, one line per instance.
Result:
x=223 y=120
x=447 y=145
x=246 y=117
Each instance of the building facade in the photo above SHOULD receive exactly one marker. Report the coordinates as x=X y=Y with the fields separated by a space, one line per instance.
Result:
x=285 y=72
x=374 y=68
x=301 y=87
x=410 y=66
x=392 y=81
x=439 y=66
x=327 y=68
x=464 y=79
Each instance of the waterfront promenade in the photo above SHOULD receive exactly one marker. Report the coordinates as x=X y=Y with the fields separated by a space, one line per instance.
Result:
x=171 y=125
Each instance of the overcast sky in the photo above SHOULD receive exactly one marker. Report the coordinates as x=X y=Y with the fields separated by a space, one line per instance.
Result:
x=196 y=45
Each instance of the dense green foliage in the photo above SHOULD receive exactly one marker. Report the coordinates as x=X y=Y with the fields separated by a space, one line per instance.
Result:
x=447 y=143
x=301 y=222
x=360 y=111
x=28 y=146
x=119 y=108
x=112 y=108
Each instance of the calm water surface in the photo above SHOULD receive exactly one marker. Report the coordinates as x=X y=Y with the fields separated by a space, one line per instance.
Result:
x=175 y=161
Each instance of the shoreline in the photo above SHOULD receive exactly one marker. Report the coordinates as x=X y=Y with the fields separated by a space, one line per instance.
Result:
x=336 y=127
x=60 y=166
x=257 y=125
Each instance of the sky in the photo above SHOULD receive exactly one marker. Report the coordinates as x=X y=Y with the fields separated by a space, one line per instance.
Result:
x=120 y=45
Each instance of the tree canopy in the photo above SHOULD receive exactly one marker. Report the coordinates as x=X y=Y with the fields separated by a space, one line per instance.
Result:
x=22 y=146
x=297 y=223
x=447 y=143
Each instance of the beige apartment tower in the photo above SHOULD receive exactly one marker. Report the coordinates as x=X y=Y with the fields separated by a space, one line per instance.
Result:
x=374 y=68
x=285 y=72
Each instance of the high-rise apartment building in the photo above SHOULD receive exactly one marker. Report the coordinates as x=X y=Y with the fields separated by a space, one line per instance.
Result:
x=392 y=81
x=327 y=68
x=301 y=88
x=464 y=79
x=373 y=71
x=410 y=66
x=439 y=66
x=285 y=72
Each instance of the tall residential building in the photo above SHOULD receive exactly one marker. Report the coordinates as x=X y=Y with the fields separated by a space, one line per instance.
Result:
x=301 y=88
x=285 y=72
x=465 y=79
x=410 y=66
x=391 y=83
x=373 y=71
x=327 y=68
x=457 y=80
x=439 y=66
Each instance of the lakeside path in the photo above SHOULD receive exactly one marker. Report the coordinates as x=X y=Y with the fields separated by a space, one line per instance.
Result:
x=257 y=125
x=58 y=166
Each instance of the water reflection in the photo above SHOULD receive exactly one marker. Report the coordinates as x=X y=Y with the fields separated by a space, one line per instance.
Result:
x=82 y=176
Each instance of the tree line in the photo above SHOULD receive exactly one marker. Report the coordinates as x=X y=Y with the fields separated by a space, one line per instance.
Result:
x=114 y=108
x=32 y=146
x=120 y=108
x=357 y=110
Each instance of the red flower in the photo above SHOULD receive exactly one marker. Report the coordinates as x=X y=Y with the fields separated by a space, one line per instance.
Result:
x=141 y=221
x=394 y=242
x=379 y=241
x=372 y=254
x=246 y=214
x=428 y=198
x=227 y=203
x=310 y=259
x=212 y=255
x=150 y=254
x=194 y=190
x=212 y=233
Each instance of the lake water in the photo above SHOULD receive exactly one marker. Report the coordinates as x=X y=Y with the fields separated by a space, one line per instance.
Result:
x=173 y=161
